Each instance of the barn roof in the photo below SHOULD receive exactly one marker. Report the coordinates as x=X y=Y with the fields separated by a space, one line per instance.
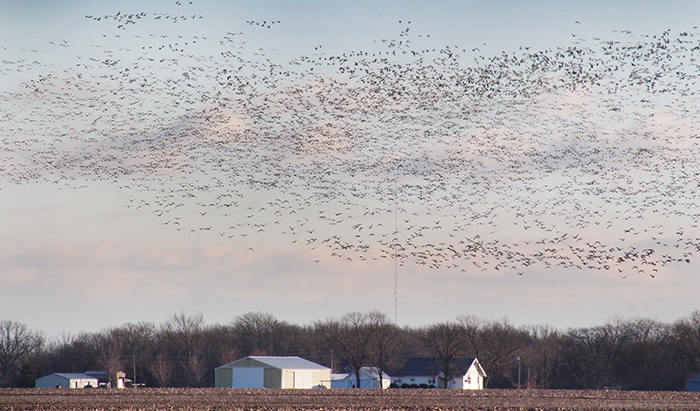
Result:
x=288 y=363
x=73 y=376
x=431 y=366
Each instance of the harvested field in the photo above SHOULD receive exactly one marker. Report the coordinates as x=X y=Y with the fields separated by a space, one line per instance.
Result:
x=273 y=399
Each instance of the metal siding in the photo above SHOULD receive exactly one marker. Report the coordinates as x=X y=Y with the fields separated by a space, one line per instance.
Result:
x=51 y=381
x=273 y=378
x=223 y=378
x=287 y=379
x=322 y=377
x=303 y=379
x=65 y=381
x=248 y=377
x=694 y=386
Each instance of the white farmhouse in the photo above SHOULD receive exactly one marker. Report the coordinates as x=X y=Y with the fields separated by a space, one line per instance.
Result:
x=272 y=372
x=427 y=373
x=66 y=380
x=369 y=378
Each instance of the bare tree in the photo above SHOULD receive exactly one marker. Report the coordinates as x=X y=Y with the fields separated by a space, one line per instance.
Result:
x=140 y=344
x=643 y=363
x=17 y=342
x=185 y=333
x=351 y=336
x=110 y=345
x=471 y=326
x=590 y=354
x=162 y=370
x=73 y=353
x=217 y=348
x=501 y=344
x=542 y=356
x=385 y=334
x=447 y=341
x=315 y=344
x=197 y=367
x=688 y=330
x=496 y=344
x=185 y=330
x=256 y=333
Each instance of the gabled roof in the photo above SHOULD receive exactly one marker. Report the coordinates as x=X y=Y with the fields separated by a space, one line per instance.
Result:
x=431 y=367
x=365 y=373
x=97 y=374
x=694 y=379
x=338 y=377
x=287 y=363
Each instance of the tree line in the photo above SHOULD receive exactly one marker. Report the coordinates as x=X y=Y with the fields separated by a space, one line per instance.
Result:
x=628 y=354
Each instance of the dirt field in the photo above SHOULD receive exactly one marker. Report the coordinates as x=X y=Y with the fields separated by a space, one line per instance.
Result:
x=266 y=399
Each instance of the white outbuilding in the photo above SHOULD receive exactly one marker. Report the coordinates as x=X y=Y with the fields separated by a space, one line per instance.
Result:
x=467 y=374
x=272 y=372
x=369 y=378
x=67 y=380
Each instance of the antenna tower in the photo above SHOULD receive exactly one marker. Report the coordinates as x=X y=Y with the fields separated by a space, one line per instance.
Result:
x=396 y=244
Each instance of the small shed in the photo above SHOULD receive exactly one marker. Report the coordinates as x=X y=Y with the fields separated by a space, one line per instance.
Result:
x=272 y=372
x=369 y=378
x=694 y=383
x=67 y=380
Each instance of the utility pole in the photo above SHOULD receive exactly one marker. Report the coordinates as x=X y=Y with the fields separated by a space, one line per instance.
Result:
x=133 y=384
x=528 y=375
x=332 y=361
x=518 y=371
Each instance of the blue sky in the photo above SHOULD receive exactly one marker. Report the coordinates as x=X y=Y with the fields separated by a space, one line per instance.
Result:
x=86 y=254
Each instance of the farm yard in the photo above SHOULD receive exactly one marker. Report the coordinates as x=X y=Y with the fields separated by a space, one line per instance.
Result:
x=195 y=399
x=310 y=159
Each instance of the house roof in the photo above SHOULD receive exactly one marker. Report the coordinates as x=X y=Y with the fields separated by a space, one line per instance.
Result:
x=365 y=373
x=431 y=366
x=694 y=379
x=338 y=377
x=288 y=363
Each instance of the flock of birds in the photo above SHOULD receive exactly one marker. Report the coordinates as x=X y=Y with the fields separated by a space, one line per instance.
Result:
x=582 y=156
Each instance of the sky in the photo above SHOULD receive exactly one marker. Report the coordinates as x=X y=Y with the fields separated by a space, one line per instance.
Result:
x=123 y=198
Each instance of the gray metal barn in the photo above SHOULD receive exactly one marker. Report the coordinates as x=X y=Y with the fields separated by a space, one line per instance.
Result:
x=272 y=372
x=66 y=380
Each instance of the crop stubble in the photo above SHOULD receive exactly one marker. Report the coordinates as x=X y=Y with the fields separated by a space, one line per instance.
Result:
x=196 y=399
